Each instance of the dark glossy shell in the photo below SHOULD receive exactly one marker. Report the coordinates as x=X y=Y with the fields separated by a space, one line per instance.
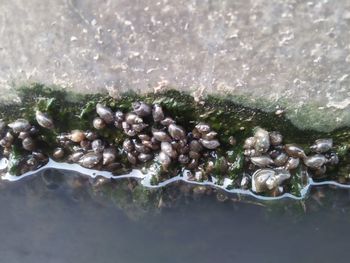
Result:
x=142 y=109
x=168 y=149
x=20 y=125
x=58 y=153
x=295 y=151
x=157 y=113
x=44 y=120
x=145 y=157
x=161 y=136
x=212 y=144
x=98 y=123
x=203 y=127
x=322 y=145
x=109 y=156
x=275 y=138
x=105 y=113
x=262 y=161
x=176 y=132
x=90 y=160
x=97 y=146
x=28 y=144
x=315 y=161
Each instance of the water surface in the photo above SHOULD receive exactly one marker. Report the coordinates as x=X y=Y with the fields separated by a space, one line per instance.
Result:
x=61 y=217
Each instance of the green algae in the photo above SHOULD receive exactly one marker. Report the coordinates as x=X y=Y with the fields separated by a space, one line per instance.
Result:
x=228 y=118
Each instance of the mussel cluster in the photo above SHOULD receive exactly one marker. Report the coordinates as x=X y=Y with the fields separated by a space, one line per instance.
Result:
x=148 y=135
x=271 y=162
x=22 y=132
x=153 y=136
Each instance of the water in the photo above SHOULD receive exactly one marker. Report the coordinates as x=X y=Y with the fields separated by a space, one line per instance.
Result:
x=64 y=217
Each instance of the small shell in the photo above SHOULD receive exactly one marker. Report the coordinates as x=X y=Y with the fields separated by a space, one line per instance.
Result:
x=130 y=133
x=139 y=127
x=262 y=140
x=145 y=157
x=151 y=145
x=184 y=149
x=275 y=181
x=144 y=137
x=58 y=153
x=264 y=180
x=105 y=113
x=275 y=138
x=232 y=140
x=157 y=113
x=75 y=157
x=139 y=147
x=128 y=145
x=292 y=163
x=210 y=135
x=5 y=143
x=132 y=158
x=23 y=135
x=164 y=160
x=193 y=164
x=167 y=121
x=183 y=159
x=132 y=118
x=119 y=116
x=20 y=125
x=168 y=149
x=262 y=161
x=176 y=132
x=249 y=143
x=333 y=159
x=295 y=151
x=44 y=120
x=212 y=144
x=9 y=137
x=40 y=156
x=85 y=144
x=315 y=162
x=109 y=155
x=77 y=136
x=322 y=145
x=195 y=134
x=97 y=146
x=251 y=152
x=28 y=144
x=142 y=109
x=195 y=146
x=203 y=127
x=281 y=159
x=90 y=160
x=245 y=182
x=259 y=179
x=98 y=123
x=90 y=135
x=161 y=136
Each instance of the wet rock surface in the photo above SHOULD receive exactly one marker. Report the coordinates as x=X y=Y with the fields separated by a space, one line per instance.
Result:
x=277 y=55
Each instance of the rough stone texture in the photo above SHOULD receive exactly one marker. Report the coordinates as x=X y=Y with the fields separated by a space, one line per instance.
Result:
x=288 y=53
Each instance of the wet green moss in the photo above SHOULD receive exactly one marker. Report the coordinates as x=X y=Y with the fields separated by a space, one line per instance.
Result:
x=228 y=118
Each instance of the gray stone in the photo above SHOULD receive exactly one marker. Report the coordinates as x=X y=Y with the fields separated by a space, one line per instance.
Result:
x=293 y=55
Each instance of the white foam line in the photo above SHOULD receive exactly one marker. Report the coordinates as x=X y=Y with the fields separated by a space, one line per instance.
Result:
x=145 y=180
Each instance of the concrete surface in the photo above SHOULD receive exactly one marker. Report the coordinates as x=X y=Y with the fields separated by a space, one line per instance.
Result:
x=288 y=53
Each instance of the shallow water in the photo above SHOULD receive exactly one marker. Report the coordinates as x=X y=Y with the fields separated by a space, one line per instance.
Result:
x=61 y=217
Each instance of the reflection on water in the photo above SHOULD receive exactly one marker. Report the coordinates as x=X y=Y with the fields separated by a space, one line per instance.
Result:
x=65 y=217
